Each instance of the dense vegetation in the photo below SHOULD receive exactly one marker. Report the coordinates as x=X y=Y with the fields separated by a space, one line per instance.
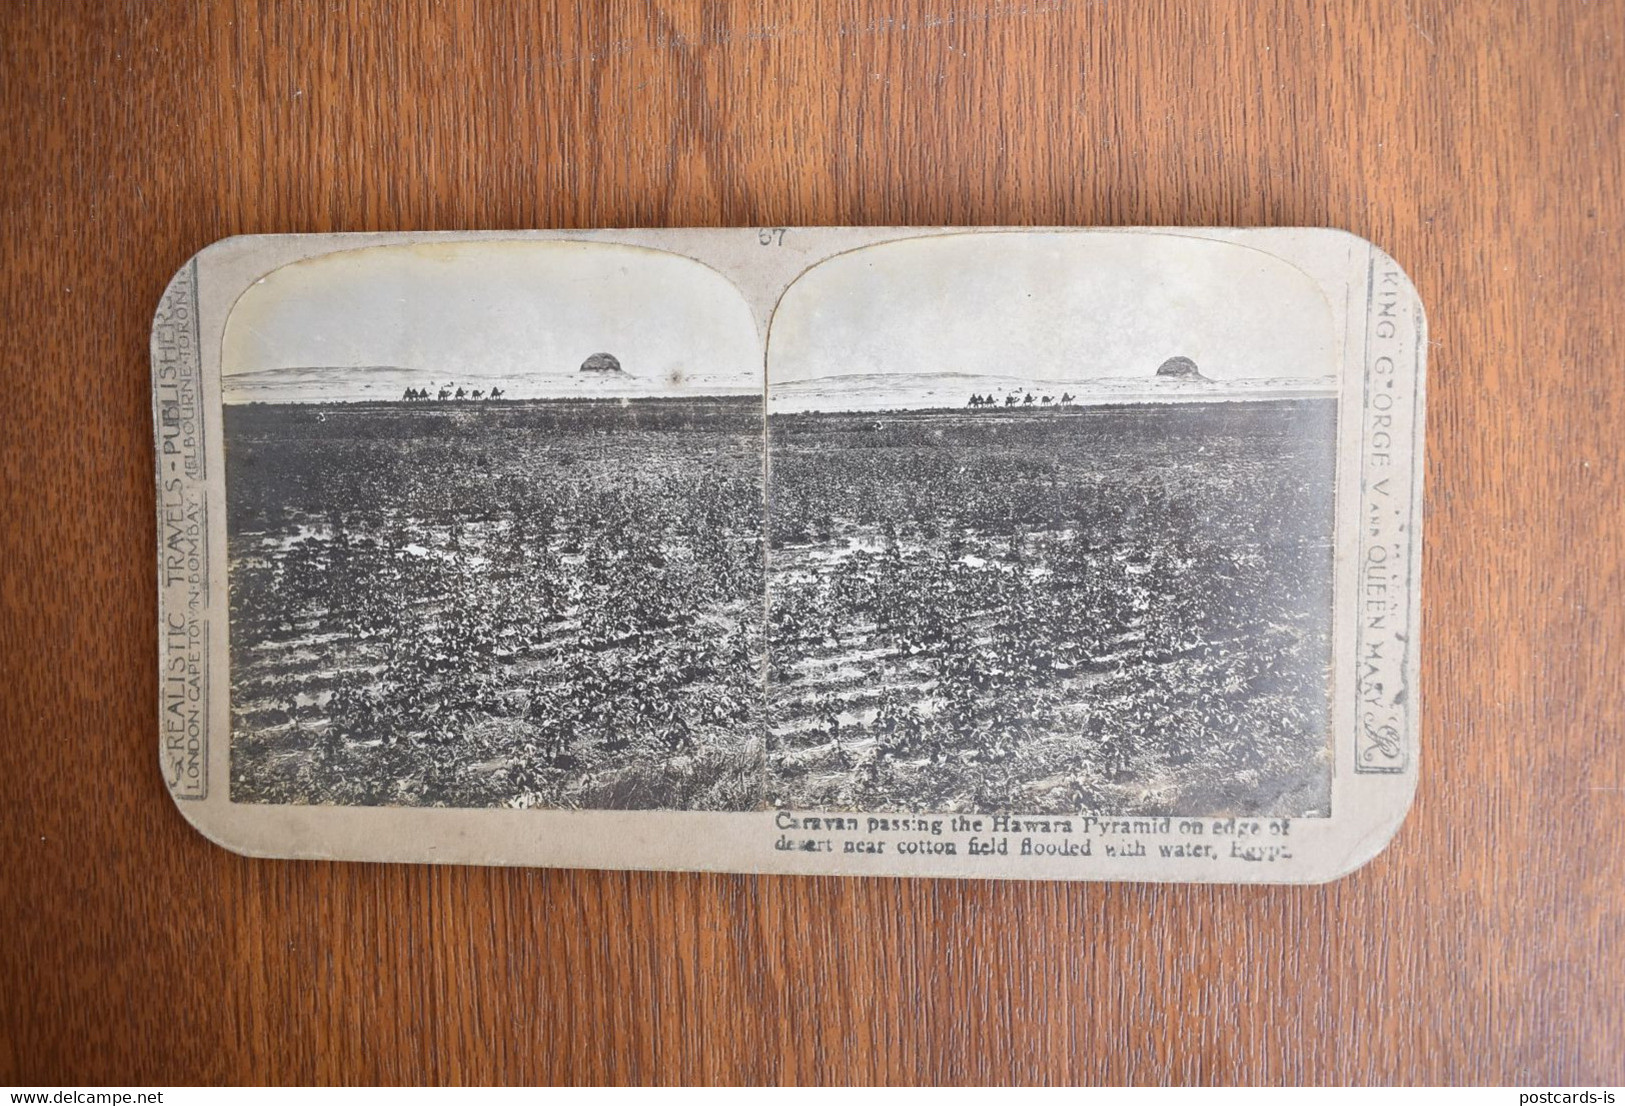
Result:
x=561 y=604
x=529 y=603
x=1122 y=609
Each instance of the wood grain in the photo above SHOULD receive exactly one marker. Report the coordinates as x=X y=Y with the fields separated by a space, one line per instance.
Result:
x=1481 y=144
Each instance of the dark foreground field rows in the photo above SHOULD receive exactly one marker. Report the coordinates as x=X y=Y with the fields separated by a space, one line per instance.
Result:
x=1122 y=609
x=562 y=604
x=531 y=603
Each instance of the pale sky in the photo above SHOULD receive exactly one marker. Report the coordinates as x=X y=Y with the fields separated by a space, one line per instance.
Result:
x=1053 y=306
x=525 y=310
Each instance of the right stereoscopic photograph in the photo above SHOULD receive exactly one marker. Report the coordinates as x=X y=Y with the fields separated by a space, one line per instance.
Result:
x=1050 y=528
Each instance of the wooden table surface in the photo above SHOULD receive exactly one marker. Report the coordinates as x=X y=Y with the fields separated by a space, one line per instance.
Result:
x=1481 y=144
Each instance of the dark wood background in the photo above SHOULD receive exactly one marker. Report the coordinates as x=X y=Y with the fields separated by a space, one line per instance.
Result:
x=1481 y=144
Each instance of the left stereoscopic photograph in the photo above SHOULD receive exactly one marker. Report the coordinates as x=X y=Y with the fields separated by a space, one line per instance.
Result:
x=495 y=530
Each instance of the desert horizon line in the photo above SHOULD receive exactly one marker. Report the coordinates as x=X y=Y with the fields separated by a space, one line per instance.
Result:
x=1096 y=403
x=872 y=374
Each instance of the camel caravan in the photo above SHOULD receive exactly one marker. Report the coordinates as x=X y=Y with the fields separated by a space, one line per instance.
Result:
x=415 y=394
x=1021 y=399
